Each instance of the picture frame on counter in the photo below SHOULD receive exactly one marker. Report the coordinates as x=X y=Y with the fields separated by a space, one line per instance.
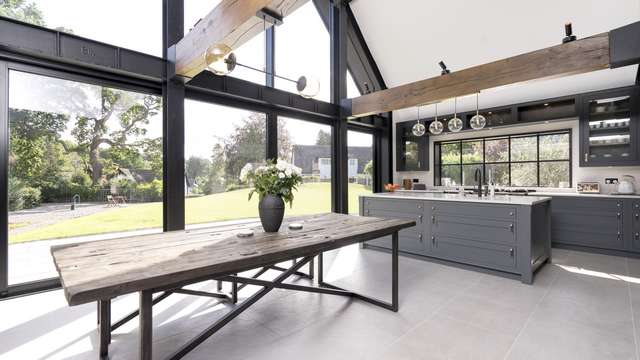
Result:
x=588 y=187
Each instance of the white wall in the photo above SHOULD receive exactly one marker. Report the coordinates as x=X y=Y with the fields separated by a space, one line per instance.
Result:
x=578 y=173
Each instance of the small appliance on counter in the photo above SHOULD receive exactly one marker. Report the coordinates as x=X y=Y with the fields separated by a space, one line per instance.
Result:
x=418 y=186
x=627 y=185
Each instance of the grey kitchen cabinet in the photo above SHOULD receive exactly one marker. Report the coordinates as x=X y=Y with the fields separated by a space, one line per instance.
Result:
x=634 y=209
x=410 y=240
x=509 y=238
x=412 y=152
x=590 y=222
x=609 y=127
x=481 y=235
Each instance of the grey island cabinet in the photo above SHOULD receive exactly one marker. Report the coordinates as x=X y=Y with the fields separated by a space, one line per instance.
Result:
x=509 y=234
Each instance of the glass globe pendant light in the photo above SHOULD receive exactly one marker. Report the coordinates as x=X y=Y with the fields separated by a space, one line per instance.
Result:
x=307 y=86
x=418 y=128
x=436 y=125
x=478 y=121
x=455 y=124
x=220 y=59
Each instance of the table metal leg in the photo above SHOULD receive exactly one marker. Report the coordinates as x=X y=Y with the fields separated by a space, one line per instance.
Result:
x=104 y=325
x=234 y=291
x=393 y=305
x=146 y=324
x=311 y=268
x=244 y=305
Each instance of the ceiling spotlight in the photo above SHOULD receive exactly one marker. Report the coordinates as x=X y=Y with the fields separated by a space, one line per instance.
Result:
x=444 y=71
x=568 y=31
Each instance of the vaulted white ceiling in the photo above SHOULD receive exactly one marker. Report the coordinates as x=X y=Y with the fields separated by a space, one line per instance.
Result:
x=409 y=37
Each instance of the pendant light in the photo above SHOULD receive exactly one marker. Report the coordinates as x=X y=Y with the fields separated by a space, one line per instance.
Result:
x=455 y=124
x=478 y=121
x=418 y=128
x=221 y=61
x=436 y=126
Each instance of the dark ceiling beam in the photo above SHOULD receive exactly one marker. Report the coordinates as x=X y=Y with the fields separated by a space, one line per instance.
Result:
x=241 y=93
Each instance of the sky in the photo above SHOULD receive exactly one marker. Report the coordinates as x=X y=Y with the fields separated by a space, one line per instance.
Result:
x=302 y=44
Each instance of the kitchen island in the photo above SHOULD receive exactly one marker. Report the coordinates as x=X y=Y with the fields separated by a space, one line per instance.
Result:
x=507 y=234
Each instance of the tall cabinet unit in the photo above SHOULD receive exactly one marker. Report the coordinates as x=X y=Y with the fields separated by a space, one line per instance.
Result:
x=412 y=152
x=609 y=128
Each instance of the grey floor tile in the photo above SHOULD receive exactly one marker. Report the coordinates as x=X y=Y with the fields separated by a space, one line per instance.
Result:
x=547 y=339
x=442 y=337
x=580 y=306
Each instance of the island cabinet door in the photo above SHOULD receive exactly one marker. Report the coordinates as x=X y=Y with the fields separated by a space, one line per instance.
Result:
x=589 y=222
x=479 y=235
x=410 y=240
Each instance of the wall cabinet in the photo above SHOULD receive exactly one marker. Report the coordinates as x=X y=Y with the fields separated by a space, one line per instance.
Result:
x=609 y=128
x=412 y=152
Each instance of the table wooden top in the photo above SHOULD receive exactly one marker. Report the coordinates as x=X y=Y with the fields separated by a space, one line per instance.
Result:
x=96 y=270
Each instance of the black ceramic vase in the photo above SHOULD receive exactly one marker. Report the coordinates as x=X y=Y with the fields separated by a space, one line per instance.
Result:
x=271 y=209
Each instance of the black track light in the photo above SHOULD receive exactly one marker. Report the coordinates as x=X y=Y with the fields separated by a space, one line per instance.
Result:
x=568 y=31
x=444 y=71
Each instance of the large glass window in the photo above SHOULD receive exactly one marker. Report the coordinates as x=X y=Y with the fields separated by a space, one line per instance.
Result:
x=529 y=160
x=360 y=167
x=219 y=142
x=85 y=162
x=135 y=25
x=302 y=48
x=307 y=145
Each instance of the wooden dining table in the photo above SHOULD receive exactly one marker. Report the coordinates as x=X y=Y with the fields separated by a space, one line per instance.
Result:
x=158 y=265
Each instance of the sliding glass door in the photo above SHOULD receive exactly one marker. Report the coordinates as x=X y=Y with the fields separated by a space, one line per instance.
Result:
x=307 y=145
x=360 y=167
x=85 y=162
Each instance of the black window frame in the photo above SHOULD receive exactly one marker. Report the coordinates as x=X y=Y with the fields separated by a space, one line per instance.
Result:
x=437 y=158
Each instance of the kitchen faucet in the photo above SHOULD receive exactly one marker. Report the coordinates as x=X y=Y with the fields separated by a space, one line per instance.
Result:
x=478 y=177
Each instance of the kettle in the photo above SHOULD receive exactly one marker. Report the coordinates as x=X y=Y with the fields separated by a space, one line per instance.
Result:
x=627 y=185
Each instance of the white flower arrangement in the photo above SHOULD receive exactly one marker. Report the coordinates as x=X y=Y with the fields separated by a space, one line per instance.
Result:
x=277 y=178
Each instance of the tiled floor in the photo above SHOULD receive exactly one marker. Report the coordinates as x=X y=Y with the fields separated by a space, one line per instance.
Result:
x=583 y=306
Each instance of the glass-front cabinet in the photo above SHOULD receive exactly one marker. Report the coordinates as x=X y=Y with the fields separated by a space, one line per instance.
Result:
x=412 y=152
x=609 y=128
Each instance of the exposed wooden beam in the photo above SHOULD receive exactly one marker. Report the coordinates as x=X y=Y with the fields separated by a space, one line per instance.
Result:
x=233 y=23
x=580 y=56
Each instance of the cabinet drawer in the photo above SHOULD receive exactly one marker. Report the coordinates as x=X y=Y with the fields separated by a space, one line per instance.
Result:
x=399 y=215
x=479 y=253
x=487 y=230
x=586 y=205
x=473 y=210
x=413 y=244
x=584 y=237
x=406 y=206
x=601 y=223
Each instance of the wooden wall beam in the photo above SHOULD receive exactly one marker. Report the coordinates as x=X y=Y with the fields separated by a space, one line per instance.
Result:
x=580 y=56
x=233 y=23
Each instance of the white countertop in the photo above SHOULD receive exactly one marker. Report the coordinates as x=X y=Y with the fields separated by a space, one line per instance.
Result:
x=542 y=193
x=498 y=199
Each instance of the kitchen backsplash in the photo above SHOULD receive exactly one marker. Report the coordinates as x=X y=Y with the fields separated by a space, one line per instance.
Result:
x=579 y=174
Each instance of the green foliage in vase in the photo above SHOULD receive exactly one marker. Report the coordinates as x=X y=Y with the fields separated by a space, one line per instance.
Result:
x=276 y=178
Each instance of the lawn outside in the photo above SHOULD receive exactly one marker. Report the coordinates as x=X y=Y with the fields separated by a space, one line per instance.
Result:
x=311 y=198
